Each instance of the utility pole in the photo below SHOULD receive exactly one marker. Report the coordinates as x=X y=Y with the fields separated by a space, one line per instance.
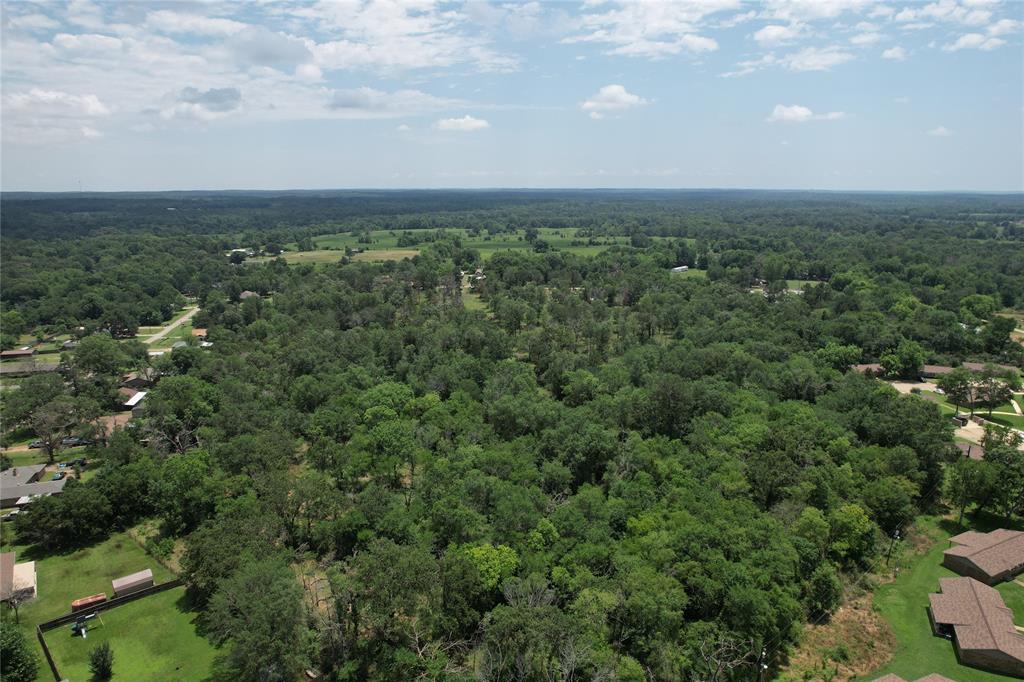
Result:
x=892 y=541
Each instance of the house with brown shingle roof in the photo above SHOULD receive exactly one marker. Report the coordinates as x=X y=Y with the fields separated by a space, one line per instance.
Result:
x=989 y=557
x=934 y=677
x=975 y=617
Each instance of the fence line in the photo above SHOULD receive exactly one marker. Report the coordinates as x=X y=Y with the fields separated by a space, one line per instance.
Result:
x=103 y=606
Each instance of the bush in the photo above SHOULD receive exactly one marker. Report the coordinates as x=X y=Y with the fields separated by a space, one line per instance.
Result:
x=101 y=662
x=18 y=663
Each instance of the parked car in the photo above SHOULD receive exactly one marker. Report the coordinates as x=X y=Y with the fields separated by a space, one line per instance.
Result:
x=73 y=442
x=81 y=461
x=58 y=475
x=36 y=444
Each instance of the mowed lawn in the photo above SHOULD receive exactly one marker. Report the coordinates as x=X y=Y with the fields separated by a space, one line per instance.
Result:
x=904 y=602
x=61 y=578
x=153 y=638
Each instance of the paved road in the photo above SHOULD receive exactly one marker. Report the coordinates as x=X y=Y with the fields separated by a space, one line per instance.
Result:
x=172 y=326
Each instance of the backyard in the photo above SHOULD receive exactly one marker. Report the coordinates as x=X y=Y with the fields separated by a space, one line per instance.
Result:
x=153 y=638
x=62 y=578
x=904 y=602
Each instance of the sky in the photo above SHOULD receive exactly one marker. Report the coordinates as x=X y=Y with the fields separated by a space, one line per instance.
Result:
x=794 y=94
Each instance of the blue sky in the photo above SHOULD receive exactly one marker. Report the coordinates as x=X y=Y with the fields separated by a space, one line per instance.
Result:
x=829 y=94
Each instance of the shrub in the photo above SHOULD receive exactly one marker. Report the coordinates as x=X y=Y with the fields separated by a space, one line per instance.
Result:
x=101 y=662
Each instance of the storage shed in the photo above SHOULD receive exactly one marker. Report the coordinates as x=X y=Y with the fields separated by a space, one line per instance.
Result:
x=132 y=583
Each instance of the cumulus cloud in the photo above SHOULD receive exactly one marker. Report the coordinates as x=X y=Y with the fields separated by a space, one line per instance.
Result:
x=651 y=30
x=259 y=46
x=204 y=105
x=610 y=99
x=775 y=34
x=31 y=22
x=169 y=21
x=53 y=103
x=1004 y=26
x=367 y=102
x=796 y=113
x=939 y=131
x=867 y=38
x=974 y=41
x=895 y=53
x=816 y=59
x=466 y=124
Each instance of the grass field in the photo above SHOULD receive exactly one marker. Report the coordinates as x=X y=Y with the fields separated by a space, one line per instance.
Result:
x=153 y=638
x=903 y=603
x=384 y=245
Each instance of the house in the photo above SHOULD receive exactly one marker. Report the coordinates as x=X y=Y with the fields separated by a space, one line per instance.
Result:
x=934 y=677
x=17 y=581
x=20 y=495
x=25 y=353
x=21 y=475
x=247 y=295
x=681 y=268
x=971 y=450
x=130 y=584
x=144 y=378
x=975 y=617
x=199 y=333
x=989 y=557
x=70 y=344
x=871 y=369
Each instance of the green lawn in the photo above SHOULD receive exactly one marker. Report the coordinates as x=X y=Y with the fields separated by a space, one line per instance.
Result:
x=903 y=603
x=61 y=578
x=384 y=245
x=153 y=638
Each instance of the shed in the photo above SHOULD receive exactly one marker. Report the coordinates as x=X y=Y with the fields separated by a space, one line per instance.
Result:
x=16 y=580
x=132 y=583
x=199 y=332
x=247 y=294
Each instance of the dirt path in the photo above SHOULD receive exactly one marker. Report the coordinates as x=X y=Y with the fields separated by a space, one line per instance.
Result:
x=172 y=326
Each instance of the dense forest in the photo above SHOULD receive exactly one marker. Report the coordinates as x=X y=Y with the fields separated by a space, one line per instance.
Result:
x=609 y=472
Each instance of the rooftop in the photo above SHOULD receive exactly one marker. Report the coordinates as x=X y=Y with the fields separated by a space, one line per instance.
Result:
x=996 y=552
x=20 y=475
x=978 y=615
x=30 y=489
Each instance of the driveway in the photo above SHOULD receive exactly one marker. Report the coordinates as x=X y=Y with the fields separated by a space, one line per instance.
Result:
x=172 y=326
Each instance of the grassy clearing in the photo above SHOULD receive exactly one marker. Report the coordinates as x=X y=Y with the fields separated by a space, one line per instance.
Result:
x=154 y=638
x=903 y=603
x=386 y=254
x=383 y=245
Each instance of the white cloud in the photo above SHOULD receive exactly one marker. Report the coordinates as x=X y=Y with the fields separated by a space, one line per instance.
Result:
x=90 y=133
x=810 y=10
x=170 y=21
x=869 y=38
x=795 y=113
x=651 y=30
x=896 y=53
x=775 y=34
x=84 y=13
x=1004 y=26
x=402 y=128
x=946 y=10
x=309 y=73
x=51 y=103
x=609 y=99
x=974 y=41
x=901 y=100
x=396 y=35
x=31 y=22
x=366 y=102
x=466 y=124
x=940 y=131
x=816 y=59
